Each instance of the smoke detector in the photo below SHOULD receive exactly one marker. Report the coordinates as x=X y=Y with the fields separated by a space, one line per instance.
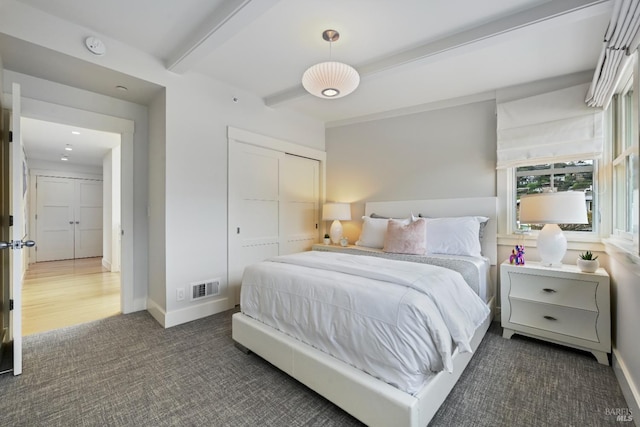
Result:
x=95 y=46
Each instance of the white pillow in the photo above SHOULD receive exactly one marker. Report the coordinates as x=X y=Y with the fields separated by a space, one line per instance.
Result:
x=373 y=232
x=454 y=236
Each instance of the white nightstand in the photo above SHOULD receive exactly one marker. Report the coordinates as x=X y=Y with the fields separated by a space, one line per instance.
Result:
x=558 y=304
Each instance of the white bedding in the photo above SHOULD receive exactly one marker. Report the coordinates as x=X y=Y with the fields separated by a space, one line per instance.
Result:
x=395 y=320
x=475 y=270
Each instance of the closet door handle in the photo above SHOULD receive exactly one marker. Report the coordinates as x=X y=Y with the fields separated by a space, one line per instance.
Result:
x=549 y=290
x=549 y=317
x=77 y=222
x=70 y=222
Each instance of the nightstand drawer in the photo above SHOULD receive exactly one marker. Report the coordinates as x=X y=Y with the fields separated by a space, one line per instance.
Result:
x=574 y=293
x=553 y=318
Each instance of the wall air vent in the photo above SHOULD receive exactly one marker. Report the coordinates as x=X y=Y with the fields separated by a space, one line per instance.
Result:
x=209 y=288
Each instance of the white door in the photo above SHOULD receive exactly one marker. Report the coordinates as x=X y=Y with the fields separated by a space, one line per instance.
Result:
x=69 y=218
x=88 y=219
x=55 y=222
x=252 y=209
x=18 y=190
x=299 y=188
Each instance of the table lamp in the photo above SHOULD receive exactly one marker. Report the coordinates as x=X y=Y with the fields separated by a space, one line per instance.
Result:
x=551 y=209
x=336 y=212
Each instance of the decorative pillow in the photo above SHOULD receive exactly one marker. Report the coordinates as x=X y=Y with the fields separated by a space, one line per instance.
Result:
x=454 y=236
x=373 y=232
x=403 y=238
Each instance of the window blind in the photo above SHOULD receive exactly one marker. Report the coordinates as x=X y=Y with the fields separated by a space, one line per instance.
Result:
x=621 y=40
x=552 y=127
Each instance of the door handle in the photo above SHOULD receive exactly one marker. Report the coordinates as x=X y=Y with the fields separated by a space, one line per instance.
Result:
x=17 y=244
x=71 y=222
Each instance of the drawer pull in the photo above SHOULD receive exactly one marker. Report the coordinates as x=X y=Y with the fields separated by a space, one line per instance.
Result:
x=549 y=290
x=550 y=318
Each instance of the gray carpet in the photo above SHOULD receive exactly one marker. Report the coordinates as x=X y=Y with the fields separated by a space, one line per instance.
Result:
x=129 y=371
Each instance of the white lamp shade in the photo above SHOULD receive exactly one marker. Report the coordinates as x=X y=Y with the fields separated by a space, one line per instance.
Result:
x=339 y=211
x=567 y=207
x=330 y=80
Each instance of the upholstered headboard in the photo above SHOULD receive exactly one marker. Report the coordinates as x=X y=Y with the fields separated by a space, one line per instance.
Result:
x=436 y=208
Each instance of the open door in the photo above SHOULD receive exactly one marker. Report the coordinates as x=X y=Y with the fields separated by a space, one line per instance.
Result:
x=17 y=231
x=6 y=356
x=17 y=189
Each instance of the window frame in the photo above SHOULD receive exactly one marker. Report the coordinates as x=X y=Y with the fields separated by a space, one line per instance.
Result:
x=624 y=145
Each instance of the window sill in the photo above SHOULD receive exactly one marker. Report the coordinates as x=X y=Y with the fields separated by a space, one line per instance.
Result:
x=624 y=252
x=574 y=242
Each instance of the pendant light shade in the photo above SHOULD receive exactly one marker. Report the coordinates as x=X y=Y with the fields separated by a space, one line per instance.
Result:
x=330 y=79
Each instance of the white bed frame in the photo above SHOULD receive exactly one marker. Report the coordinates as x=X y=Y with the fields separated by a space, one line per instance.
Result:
x=372 y=401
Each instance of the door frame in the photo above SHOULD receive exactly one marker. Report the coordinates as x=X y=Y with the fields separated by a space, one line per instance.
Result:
x=56 y=113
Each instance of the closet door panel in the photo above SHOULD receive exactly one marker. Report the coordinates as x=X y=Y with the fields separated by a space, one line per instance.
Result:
x=299 y=183
x=55 y=220
x=88 y=232
x=253 y=209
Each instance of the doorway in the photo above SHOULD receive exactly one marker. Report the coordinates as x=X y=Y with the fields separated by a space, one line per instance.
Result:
x=74 y=209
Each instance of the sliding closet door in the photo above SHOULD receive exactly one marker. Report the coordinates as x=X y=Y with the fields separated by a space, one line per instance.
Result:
x=253 y=209
x=299 y=198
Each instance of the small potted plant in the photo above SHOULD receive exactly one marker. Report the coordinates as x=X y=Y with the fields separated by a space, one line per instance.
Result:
x=327 y=239
x=587 y=262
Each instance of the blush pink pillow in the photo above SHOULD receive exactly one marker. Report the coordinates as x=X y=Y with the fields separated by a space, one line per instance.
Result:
x=403 y=238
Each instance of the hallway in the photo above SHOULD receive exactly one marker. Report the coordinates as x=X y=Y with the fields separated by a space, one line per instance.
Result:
x=57 y=294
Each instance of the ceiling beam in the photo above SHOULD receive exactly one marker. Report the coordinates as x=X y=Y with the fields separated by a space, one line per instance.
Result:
x=227 y=20
x=459 y=42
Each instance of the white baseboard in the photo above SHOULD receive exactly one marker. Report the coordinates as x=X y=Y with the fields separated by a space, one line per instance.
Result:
x=187 y=314
x=629 y=389
x=106 y=264
x=156 y=311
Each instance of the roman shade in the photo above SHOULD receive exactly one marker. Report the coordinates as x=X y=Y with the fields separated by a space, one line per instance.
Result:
x=552 y=127
x=620 y=42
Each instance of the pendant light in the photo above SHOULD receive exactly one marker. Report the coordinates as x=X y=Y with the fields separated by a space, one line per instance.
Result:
x=330 y=79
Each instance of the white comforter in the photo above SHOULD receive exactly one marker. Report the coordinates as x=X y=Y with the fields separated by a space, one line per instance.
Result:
x=395 y=320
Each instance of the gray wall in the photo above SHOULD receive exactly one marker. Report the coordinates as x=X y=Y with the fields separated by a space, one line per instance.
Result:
x=434 y=154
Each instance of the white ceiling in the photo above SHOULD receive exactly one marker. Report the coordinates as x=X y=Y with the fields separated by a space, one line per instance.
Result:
x=408 y=52
x=49 y=141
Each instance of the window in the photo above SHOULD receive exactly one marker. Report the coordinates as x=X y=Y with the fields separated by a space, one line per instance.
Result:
x=564 y=176
x=625 y=165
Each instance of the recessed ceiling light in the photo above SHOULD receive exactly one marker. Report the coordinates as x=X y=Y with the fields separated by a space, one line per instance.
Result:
x=64 y=158
x=68 y=148
x=75 y=132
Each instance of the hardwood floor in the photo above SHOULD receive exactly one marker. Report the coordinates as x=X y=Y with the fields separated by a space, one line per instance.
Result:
x=56 y=294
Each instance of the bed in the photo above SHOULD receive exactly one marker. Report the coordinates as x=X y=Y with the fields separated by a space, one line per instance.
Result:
x=372 y=397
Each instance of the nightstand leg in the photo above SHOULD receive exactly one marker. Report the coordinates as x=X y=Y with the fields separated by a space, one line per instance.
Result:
x=506 y=333
x=602 y=357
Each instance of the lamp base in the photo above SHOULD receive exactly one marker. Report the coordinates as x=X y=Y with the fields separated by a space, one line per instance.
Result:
x=335 y=231
x=552 y=245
